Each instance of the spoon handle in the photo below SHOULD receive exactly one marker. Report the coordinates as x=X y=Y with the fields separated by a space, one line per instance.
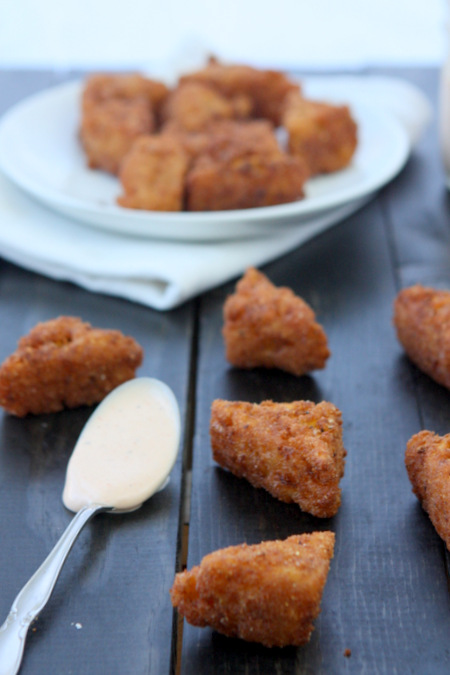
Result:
x=36 y=593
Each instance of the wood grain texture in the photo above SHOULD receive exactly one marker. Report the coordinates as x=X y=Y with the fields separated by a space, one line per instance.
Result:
x=387 y=597
x=110 y=611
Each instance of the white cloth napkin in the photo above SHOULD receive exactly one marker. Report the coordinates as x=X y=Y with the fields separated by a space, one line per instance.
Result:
x=163 y=274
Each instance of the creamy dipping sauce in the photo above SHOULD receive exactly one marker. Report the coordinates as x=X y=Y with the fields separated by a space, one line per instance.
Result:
x=127 y=449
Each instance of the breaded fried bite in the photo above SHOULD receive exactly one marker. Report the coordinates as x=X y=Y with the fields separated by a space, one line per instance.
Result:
x=270 y=327
x=104 y=86
x=237 y=165
x=292 y=450
x=422 y=322
x=267 y=89
x=65 y=363
x=153 y=174
x=109 y=129
x=193 y=105
x=427 y=461
x=268 y=593
x=115 y=110
x=247 y=181
x=324 y=135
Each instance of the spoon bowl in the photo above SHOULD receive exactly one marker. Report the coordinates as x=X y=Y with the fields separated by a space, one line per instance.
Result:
x=124 y=455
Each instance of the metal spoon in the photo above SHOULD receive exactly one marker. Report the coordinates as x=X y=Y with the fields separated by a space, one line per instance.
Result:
x=35 y=594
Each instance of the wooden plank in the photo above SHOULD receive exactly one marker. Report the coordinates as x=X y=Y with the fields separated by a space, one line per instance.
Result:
x=110 y=612
x=387 y=596
x=421 y=246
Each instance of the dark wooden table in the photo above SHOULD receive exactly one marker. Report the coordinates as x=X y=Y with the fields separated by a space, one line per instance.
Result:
x=387 y=595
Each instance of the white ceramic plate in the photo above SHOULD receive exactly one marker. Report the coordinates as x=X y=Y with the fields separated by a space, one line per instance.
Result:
x=40 y=152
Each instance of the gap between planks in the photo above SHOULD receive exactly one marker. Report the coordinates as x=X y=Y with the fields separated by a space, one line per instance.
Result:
x=185 y=487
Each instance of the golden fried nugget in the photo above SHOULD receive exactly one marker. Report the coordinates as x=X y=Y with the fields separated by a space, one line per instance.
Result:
x=109 y=129
x=248 y=181
x=115 y=110
x=292 y=450
x=267 y=89
x=422 y=322
x=153 y=174
x=270 y=327
x=193 y=105
x=324 y=135
x=104 y=86
x=65 y=363
x=268 y=593
x=427 y=461
x=228 y=143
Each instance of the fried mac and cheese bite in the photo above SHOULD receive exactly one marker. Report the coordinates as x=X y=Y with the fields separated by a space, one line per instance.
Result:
x=109 y=129
x=422 y=322
x=241 y=165
x=193 y=105
x=268 y=593
x=105 y=87
x=65 y=363
x=153 y=174
x=427 y=461
x=115 y=110
x=292 y=450
x=246 y=181
x=227 y=165
x=323 y=135
x=270 y=327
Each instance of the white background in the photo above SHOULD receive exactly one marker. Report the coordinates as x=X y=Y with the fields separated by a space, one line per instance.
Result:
x=280 y=33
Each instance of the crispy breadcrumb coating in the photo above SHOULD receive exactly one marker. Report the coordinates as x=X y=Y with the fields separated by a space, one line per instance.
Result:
x=267 y=89
x=268 y=593
x=270 y=327
x=323 y=135
x=65 y=363
x=105 y=86
x=109 y=129
x=153 y=174
x=422 y=322
x=115 y=110
x=427 y=461
x=248 y=181
x=293 y=450
x=193 y=105
x=227 y=165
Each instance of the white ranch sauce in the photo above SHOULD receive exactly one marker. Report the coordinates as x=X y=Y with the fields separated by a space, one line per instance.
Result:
x=127 y=449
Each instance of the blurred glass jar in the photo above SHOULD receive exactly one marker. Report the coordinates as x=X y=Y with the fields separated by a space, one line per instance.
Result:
x=444 y=101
